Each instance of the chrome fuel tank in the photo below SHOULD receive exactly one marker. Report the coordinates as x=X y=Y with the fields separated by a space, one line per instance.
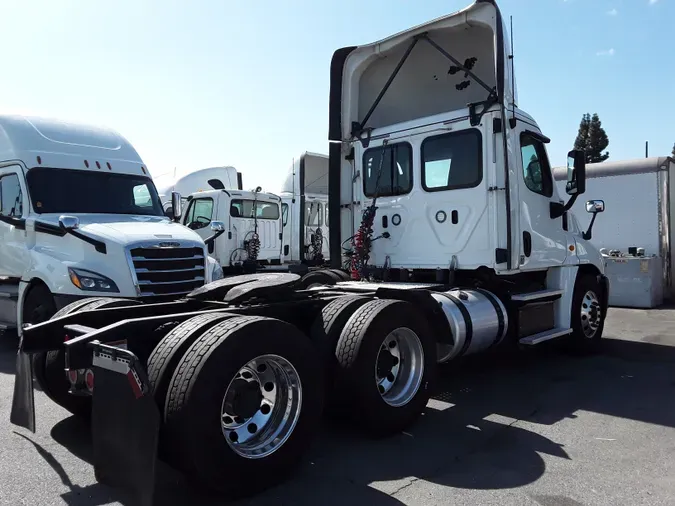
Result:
x=477 y=320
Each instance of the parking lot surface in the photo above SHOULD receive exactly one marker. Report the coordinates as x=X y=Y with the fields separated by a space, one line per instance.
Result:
x=539 y=428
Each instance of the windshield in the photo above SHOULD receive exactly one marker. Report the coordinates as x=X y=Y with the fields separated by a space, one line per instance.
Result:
x=79 y=191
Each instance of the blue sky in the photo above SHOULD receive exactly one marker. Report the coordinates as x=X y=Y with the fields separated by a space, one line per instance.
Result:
x=213 y=82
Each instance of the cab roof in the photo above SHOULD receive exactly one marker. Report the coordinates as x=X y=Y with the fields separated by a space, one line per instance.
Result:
x=45 y=142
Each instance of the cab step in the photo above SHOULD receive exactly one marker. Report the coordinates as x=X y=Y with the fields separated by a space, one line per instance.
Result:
x=537 y=296
x=547 y=335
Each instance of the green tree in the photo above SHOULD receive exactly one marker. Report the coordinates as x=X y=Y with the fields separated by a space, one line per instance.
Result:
x=673 y=152
x=592 y=138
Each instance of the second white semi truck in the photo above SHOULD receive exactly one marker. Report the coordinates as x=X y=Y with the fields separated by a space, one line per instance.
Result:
x=454 y=227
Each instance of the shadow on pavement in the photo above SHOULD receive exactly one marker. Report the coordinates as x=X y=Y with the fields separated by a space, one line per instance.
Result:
x=477 y=432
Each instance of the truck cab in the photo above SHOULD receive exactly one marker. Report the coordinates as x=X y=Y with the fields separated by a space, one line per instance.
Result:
x=304 y=196
x=249 y=224
x=80 y=217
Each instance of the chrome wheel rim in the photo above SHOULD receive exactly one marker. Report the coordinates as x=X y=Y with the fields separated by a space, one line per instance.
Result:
x=261 y=406
x=399 y=367
x=591 y=315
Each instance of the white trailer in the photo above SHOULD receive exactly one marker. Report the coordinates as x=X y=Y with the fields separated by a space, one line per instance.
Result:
x=304 y=194
x=459 y=237
x=638 y=194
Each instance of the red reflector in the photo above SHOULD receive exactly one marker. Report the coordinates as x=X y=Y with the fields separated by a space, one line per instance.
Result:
x=89 y=380
x=72 y=376
x=66 y=338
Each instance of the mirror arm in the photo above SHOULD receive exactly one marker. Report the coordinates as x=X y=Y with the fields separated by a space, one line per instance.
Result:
x=557 y=209
x=215 y=236
x=589 y=233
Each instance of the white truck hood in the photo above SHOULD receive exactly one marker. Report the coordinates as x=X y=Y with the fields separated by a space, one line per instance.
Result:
x=124 y=229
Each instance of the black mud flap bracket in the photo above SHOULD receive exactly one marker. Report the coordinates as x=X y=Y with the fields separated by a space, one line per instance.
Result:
x=124 y=423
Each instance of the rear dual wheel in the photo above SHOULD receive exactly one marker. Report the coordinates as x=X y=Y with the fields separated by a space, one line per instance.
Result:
x=380 y=361
x=242 y=405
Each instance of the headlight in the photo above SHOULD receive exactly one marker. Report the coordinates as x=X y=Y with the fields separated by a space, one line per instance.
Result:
x=217 y=272
x=91 y=281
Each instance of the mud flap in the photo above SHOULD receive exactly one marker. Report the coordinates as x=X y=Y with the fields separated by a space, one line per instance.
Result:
x=23 y=401
x=125 y=424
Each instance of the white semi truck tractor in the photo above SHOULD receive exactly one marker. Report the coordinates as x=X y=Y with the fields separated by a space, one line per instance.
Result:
x=457 y=243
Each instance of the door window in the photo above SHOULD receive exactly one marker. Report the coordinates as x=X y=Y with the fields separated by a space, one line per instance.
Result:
x=387 y=170
x=11 y=196
x=536 y=169
x=199 y=213
x=452 y=161
x=284 y=214
x=313 y=214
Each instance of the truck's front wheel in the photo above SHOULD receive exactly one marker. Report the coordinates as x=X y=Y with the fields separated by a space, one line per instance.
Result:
x=587 y=318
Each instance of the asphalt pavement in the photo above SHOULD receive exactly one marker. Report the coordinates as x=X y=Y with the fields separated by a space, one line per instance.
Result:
x=539 y=428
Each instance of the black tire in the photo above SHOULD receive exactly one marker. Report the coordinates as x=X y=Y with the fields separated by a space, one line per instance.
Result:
x=320 y=277
x=325 y=333
x=193 y=417
x=341 y=274
x=357 y=352
x=579 y=342
x=166 y=355
x=50 y=367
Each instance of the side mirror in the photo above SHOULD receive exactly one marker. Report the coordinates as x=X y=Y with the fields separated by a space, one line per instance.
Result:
x=218 y=226
x=595 y=206
x=176 y=205
x=69 y=222
x=576 y=172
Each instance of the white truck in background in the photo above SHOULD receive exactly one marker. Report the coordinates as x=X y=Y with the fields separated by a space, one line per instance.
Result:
x=210 y=178
x=247 y=223
x=80 y=217
x=637 y=230
x=304 y=196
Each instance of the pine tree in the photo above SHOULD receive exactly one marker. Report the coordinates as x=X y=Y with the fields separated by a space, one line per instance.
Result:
x=592 y=138
x=673 y=152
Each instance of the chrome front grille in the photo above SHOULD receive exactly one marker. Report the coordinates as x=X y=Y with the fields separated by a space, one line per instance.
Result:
x=167 y=271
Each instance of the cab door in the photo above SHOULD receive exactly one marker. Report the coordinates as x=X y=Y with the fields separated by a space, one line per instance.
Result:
x=198 y=217
x=543 y=241
x=14 y=260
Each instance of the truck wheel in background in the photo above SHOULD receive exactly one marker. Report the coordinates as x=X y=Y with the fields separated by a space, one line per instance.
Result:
x=387 y=358
x=342 y=274
x=318 y=278
x=49 y=367
x=587 y=319
x=326 y=331
x=243 y=405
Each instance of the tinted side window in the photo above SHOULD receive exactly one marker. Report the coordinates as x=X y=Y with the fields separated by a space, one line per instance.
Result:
x=200 y=213
x=452 y=161
x=387 y=170
x=536 y=169
x=11 y=196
